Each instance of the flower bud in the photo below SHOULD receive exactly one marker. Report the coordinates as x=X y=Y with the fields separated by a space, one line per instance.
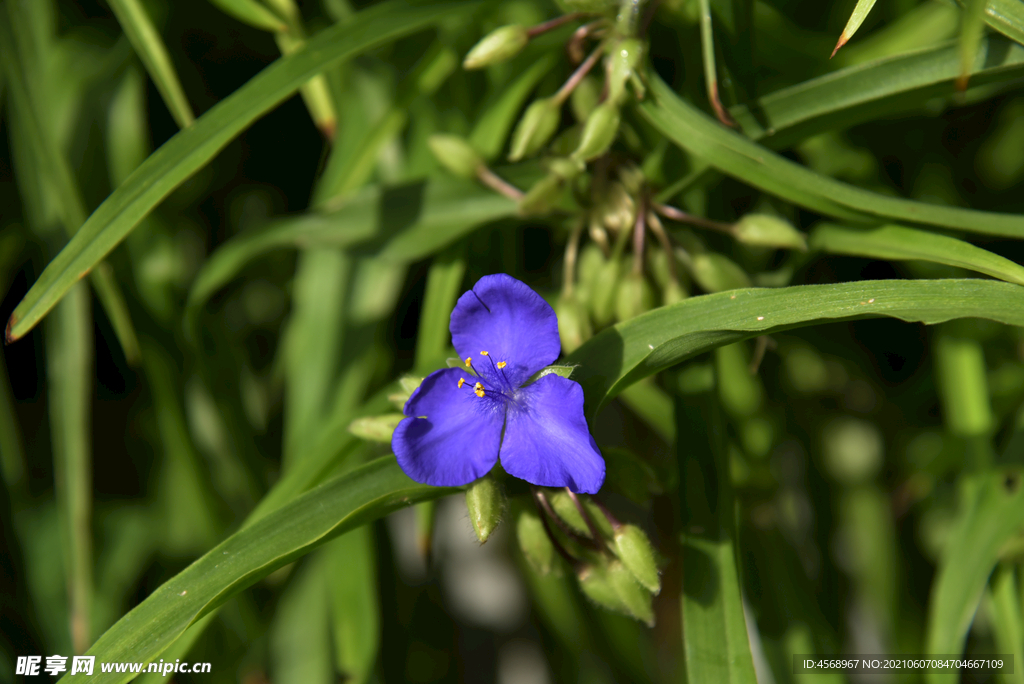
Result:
x=567 y=510
x=455 y=154
x=534 y=542
x=543 y=196
x=573 y=323
x=717 y=273
x=622 y=62
x=634 y=550
x=497 y=46
x=585 y=98
x=634 y=297
x=376 y=428
x=565 y=168
x=768 y=231
x=599 y=132
x=538 y=124
x=613 y=587
x=602 y=300
x=635 y=597
x=485 y=503
x=618 y=208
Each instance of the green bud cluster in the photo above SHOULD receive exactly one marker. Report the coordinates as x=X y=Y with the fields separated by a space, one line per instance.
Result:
x=614 y=563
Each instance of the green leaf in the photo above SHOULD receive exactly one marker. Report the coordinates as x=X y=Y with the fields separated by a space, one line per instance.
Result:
x=399 y=224
x=1005 y=16
x=191 y=149
x=899 y=243
x=300 y=639
x=252 y=13
x=150 y=47
x=444 y=283
x=252 y=553
x=619 y=356
x=972 y=27
x=864 y=92
x=69 y=369
x=992 y=511
x=58 y=175
x=1007 y=620
x=716 y=647
x=355 y=609
x=860 y=13
x=755 y=165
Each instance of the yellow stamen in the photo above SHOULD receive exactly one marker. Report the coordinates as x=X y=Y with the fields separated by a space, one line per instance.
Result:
x=501 y=364
x=478 y=389
x=483 y=353
x=469 y=362
x=462 y=381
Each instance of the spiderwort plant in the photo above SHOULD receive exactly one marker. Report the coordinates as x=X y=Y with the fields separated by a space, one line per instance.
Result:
x=461 y=420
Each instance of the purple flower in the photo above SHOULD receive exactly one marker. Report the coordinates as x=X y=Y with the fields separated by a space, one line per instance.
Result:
x=458 y=423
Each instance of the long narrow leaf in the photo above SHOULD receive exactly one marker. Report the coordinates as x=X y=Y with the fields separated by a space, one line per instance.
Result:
x=755 y=165
x=401 y=224
x=993 y=511
x=150 y=47
x=622 y=355
x=899 y=243
x=64 y=192
x=69 y=370
x=860 y=13
x=191 y=149
x=252 y=553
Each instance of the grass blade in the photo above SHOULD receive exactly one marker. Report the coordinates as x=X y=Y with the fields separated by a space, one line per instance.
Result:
x=313 y=346
x=399 y=224
x=300 y=644
x=69 y=371
x=707 y=43
x=444 y=284
x=972 y=27
x=755 y=165
x=1007 y=621
x=1005 y=16
x=150 y=48
x=630 y=351
x=355 y=610
x=715 y=643
x=899 y=243
x=64 y=193
x=860 y=13
x=254 y=552
x=992 y=511
x=860 y=93
x=191 y=149
x=252 y=13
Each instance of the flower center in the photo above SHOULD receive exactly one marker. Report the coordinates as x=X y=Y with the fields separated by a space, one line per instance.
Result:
x=498 y=385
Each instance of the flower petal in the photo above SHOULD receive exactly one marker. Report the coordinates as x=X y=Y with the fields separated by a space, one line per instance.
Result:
x=511 y=322
x=451 y=436
x=547 y=441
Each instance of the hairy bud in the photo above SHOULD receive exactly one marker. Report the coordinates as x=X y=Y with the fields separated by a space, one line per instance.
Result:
x=485 y=503
x=634 y=550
